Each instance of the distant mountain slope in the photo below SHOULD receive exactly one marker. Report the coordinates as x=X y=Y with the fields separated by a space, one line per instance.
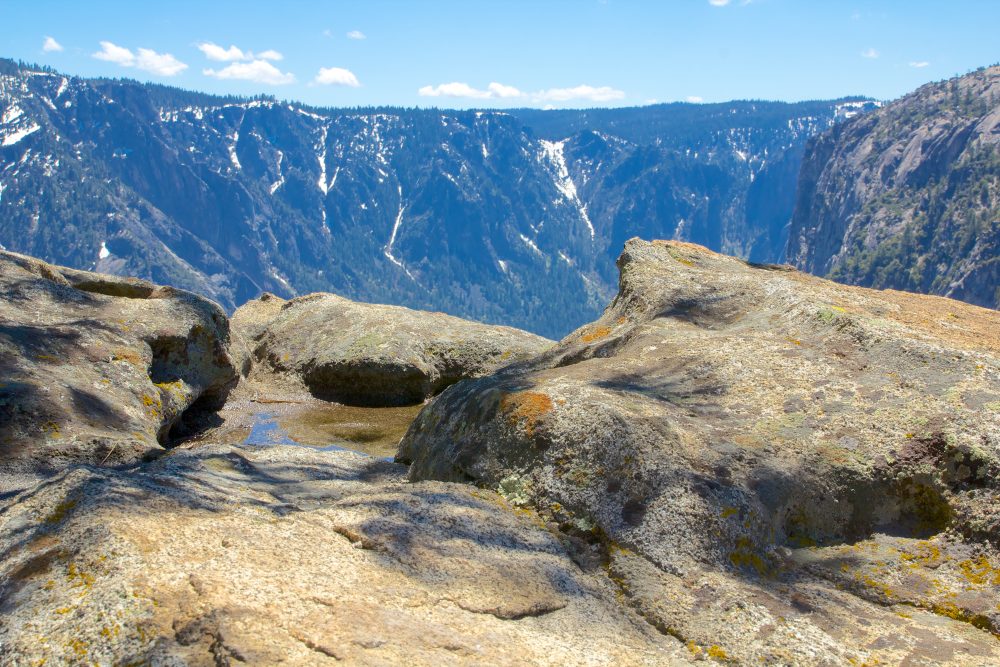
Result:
x=908 y=197
x=478 y=214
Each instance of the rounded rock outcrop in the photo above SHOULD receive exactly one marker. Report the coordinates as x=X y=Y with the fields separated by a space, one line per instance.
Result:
x=751 y=449
x=369 y=354
x=99 y=369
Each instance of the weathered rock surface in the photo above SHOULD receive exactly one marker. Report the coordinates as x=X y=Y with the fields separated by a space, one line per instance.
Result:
x=368 y=354
x=98 y=368
x=225 y=555
x=777 y=468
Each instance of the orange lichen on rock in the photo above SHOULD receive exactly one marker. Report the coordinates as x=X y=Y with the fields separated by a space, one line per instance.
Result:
x=526 y=408
x=596 y=333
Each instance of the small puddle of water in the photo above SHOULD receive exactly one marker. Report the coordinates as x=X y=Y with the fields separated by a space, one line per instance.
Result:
x=372 y=431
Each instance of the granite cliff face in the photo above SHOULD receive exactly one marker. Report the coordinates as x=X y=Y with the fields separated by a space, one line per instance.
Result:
x=511 y=218
x=908 y=196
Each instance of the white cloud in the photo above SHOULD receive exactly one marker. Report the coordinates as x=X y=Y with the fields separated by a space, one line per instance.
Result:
x=694 y=99
x=50 y=44
x=919 y=64
x=162 y=64
x=356 y=34
x=219 y=54
x=589 y=93
x=500 y=91
x=870 y=53
x=718 y=3
x=453 y=89
x=336 y=76
x=234 y=53
x=258 y=71
x=113 y=53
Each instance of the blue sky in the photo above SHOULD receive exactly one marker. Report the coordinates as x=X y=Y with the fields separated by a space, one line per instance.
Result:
x=569 y=53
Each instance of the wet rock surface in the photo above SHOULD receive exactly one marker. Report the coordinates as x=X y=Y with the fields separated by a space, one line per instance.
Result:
x=260 y=555
x=99 y=368
x=365 y=354
x=774 y=467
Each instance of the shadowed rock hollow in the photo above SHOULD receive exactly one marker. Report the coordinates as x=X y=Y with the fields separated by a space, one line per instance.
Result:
x=368 y=354
x=787 y=469
x=98 y=368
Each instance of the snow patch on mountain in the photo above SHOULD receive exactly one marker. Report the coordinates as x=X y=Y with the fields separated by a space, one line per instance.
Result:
x=12 y=138
x=392 y=238
x=554 y=153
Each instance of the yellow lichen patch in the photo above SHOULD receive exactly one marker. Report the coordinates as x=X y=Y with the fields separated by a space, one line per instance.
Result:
x=616 y=549
x=174 y=387
x=153 y=405
x=78 y=578
x=882 y=588
x=531 y=516
x=79 y=647
x=526 y=408
x=129 y=356
x=953 y=611
x=679 y=257
x=596 y=333
x=51 y=429
x=979 y=571
x=716 y=652
x=745 y=556
x=728 y=512
x=59 y=513
x=925 y=554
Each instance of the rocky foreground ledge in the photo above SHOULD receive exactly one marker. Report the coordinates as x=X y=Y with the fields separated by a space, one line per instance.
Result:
x=786 y=469
x=736 y=463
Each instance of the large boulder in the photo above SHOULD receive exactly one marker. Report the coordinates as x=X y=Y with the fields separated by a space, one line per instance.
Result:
x=97 y=368
x=286 y=555
x=367 y=354
x=786 y=469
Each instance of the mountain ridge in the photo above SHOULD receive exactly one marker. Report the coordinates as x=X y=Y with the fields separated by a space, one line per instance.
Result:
x=907 y=197
x=470 y=212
